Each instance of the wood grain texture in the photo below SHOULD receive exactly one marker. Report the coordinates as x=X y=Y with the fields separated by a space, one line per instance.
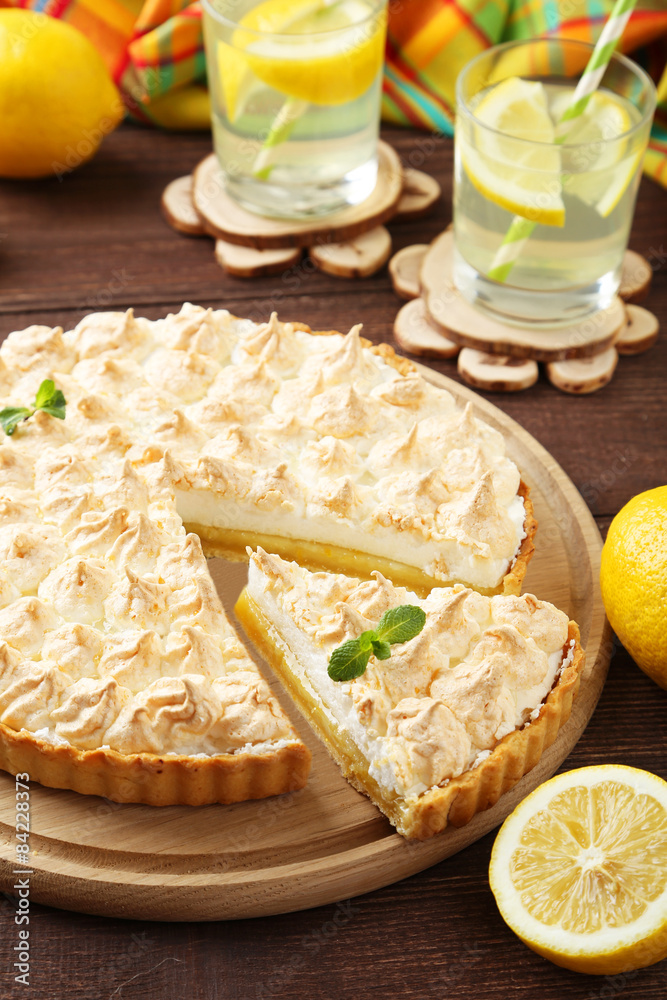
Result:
x=97 y=240
x=326 y=842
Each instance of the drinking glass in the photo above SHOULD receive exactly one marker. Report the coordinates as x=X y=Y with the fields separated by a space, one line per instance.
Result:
x=579 y=192
x=295 y=93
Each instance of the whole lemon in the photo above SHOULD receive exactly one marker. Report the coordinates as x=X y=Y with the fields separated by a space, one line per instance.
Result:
x=633 y=577
x=57 y=101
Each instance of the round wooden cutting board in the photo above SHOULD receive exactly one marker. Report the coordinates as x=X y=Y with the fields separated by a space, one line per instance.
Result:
x=326 y=842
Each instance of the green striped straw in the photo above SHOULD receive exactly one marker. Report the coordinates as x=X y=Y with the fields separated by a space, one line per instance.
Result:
x=521 y=229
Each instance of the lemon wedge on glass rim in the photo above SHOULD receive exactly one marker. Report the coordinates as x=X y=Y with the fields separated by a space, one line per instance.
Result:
x=337 y=67
x=579 y=869
x=522 y=177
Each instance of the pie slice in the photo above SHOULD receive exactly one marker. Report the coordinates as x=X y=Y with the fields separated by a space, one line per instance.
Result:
x=452 y=719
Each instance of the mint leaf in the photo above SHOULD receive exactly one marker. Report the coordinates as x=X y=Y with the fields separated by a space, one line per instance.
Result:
x=348 y=661
x=45 y=393
x=365 y=640
x=381 y=649
x=11 y=417
x=50 y=399
x=401 y=624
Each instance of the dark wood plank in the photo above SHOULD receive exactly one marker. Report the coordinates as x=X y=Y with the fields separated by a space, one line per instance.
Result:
x=97 y=240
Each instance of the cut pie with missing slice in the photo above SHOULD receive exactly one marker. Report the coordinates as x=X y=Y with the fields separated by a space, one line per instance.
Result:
x=119 y=673
x=448 y=722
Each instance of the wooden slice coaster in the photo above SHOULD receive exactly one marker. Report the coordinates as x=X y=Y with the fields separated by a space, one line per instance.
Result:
x=246 y=262
x=224 y=219
x=639 y=333
x=404 y=268
x=416 y=334
x=177 y=207
x=357 y=258
x=583 y=375
x=496 y=373
x=419 y=197
x=469 y=327
x=636 y=277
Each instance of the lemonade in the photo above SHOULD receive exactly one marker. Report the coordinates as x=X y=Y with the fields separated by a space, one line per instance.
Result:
x=295 y=93
x=513 y=163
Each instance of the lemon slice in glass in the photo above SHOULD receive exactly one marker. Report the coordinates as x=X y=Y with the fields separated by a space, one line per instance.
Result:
x=520 y=176
x=601 y=168
x=331 y=55
x=579 y=869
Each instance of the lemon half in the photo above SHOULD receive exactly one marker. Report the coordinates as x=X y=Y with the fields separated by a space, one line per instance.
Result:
x=579 y=869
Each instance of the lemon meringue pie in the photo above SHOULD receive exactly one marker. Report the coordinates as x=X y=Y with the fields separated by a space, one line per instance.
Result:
x=119 y=673
x=452 y=718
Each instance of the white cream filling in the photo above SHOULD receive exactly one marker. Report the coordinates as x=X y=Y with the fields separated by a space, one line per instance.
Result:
x=209 y=510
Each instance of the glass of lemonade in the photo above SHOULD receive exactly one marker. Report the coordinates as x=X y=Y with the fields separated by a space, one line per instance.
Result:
x=295 y=97
x=574 y=184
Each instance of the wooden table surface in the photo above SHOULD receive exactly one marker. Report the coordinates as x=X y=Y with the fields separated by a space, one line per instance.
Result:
x=96 y=240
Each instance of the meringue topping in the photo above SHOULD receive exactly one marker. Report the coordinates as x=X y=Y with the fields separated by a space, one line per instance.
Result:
x=478 y=670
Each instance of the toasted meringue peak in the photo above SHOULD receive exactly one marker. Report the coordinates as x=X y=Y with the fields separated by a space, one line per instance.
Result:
x=109 y=441
x=328 y=457
x=478 y=520
x=65 y=506
x=180 y=432
x=186 y=374
x=28 y=701
x=272 y=567
x=408 y=391
x=27 y=553
x=170 y=713
x=95 y=409
x=123 y=486
x=274 y=488
x=17 y=505
x=74 y=648
x=434 y=742
x=134 y=659
x=341 y=412
x=345 y=360
x=194 y=651
x=545 y=625
x=338 y=496
x=180 y=560
x=399 y=451
x=373 y=597
x=226 y=477
x=527 y=665
x=97 y=531
x=110 y=375
x=235 y=442
x=137 y=545
x=213 y=414
x=138 y=603
x=108 y=333
x=62 y=467
x=24 y=622
x=344 y=624
x=37 y=348
x=90 y=707
x=251 y=383
x=199 y=330
x=267 y=335
x=15 y=468
x=295 y=394
x=478 y=697
x=248 y=715
x=77 y=589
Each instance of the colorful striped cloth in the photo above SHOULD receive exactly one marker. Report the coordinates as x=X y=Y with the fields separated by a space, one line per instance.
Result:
x=155 y=53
